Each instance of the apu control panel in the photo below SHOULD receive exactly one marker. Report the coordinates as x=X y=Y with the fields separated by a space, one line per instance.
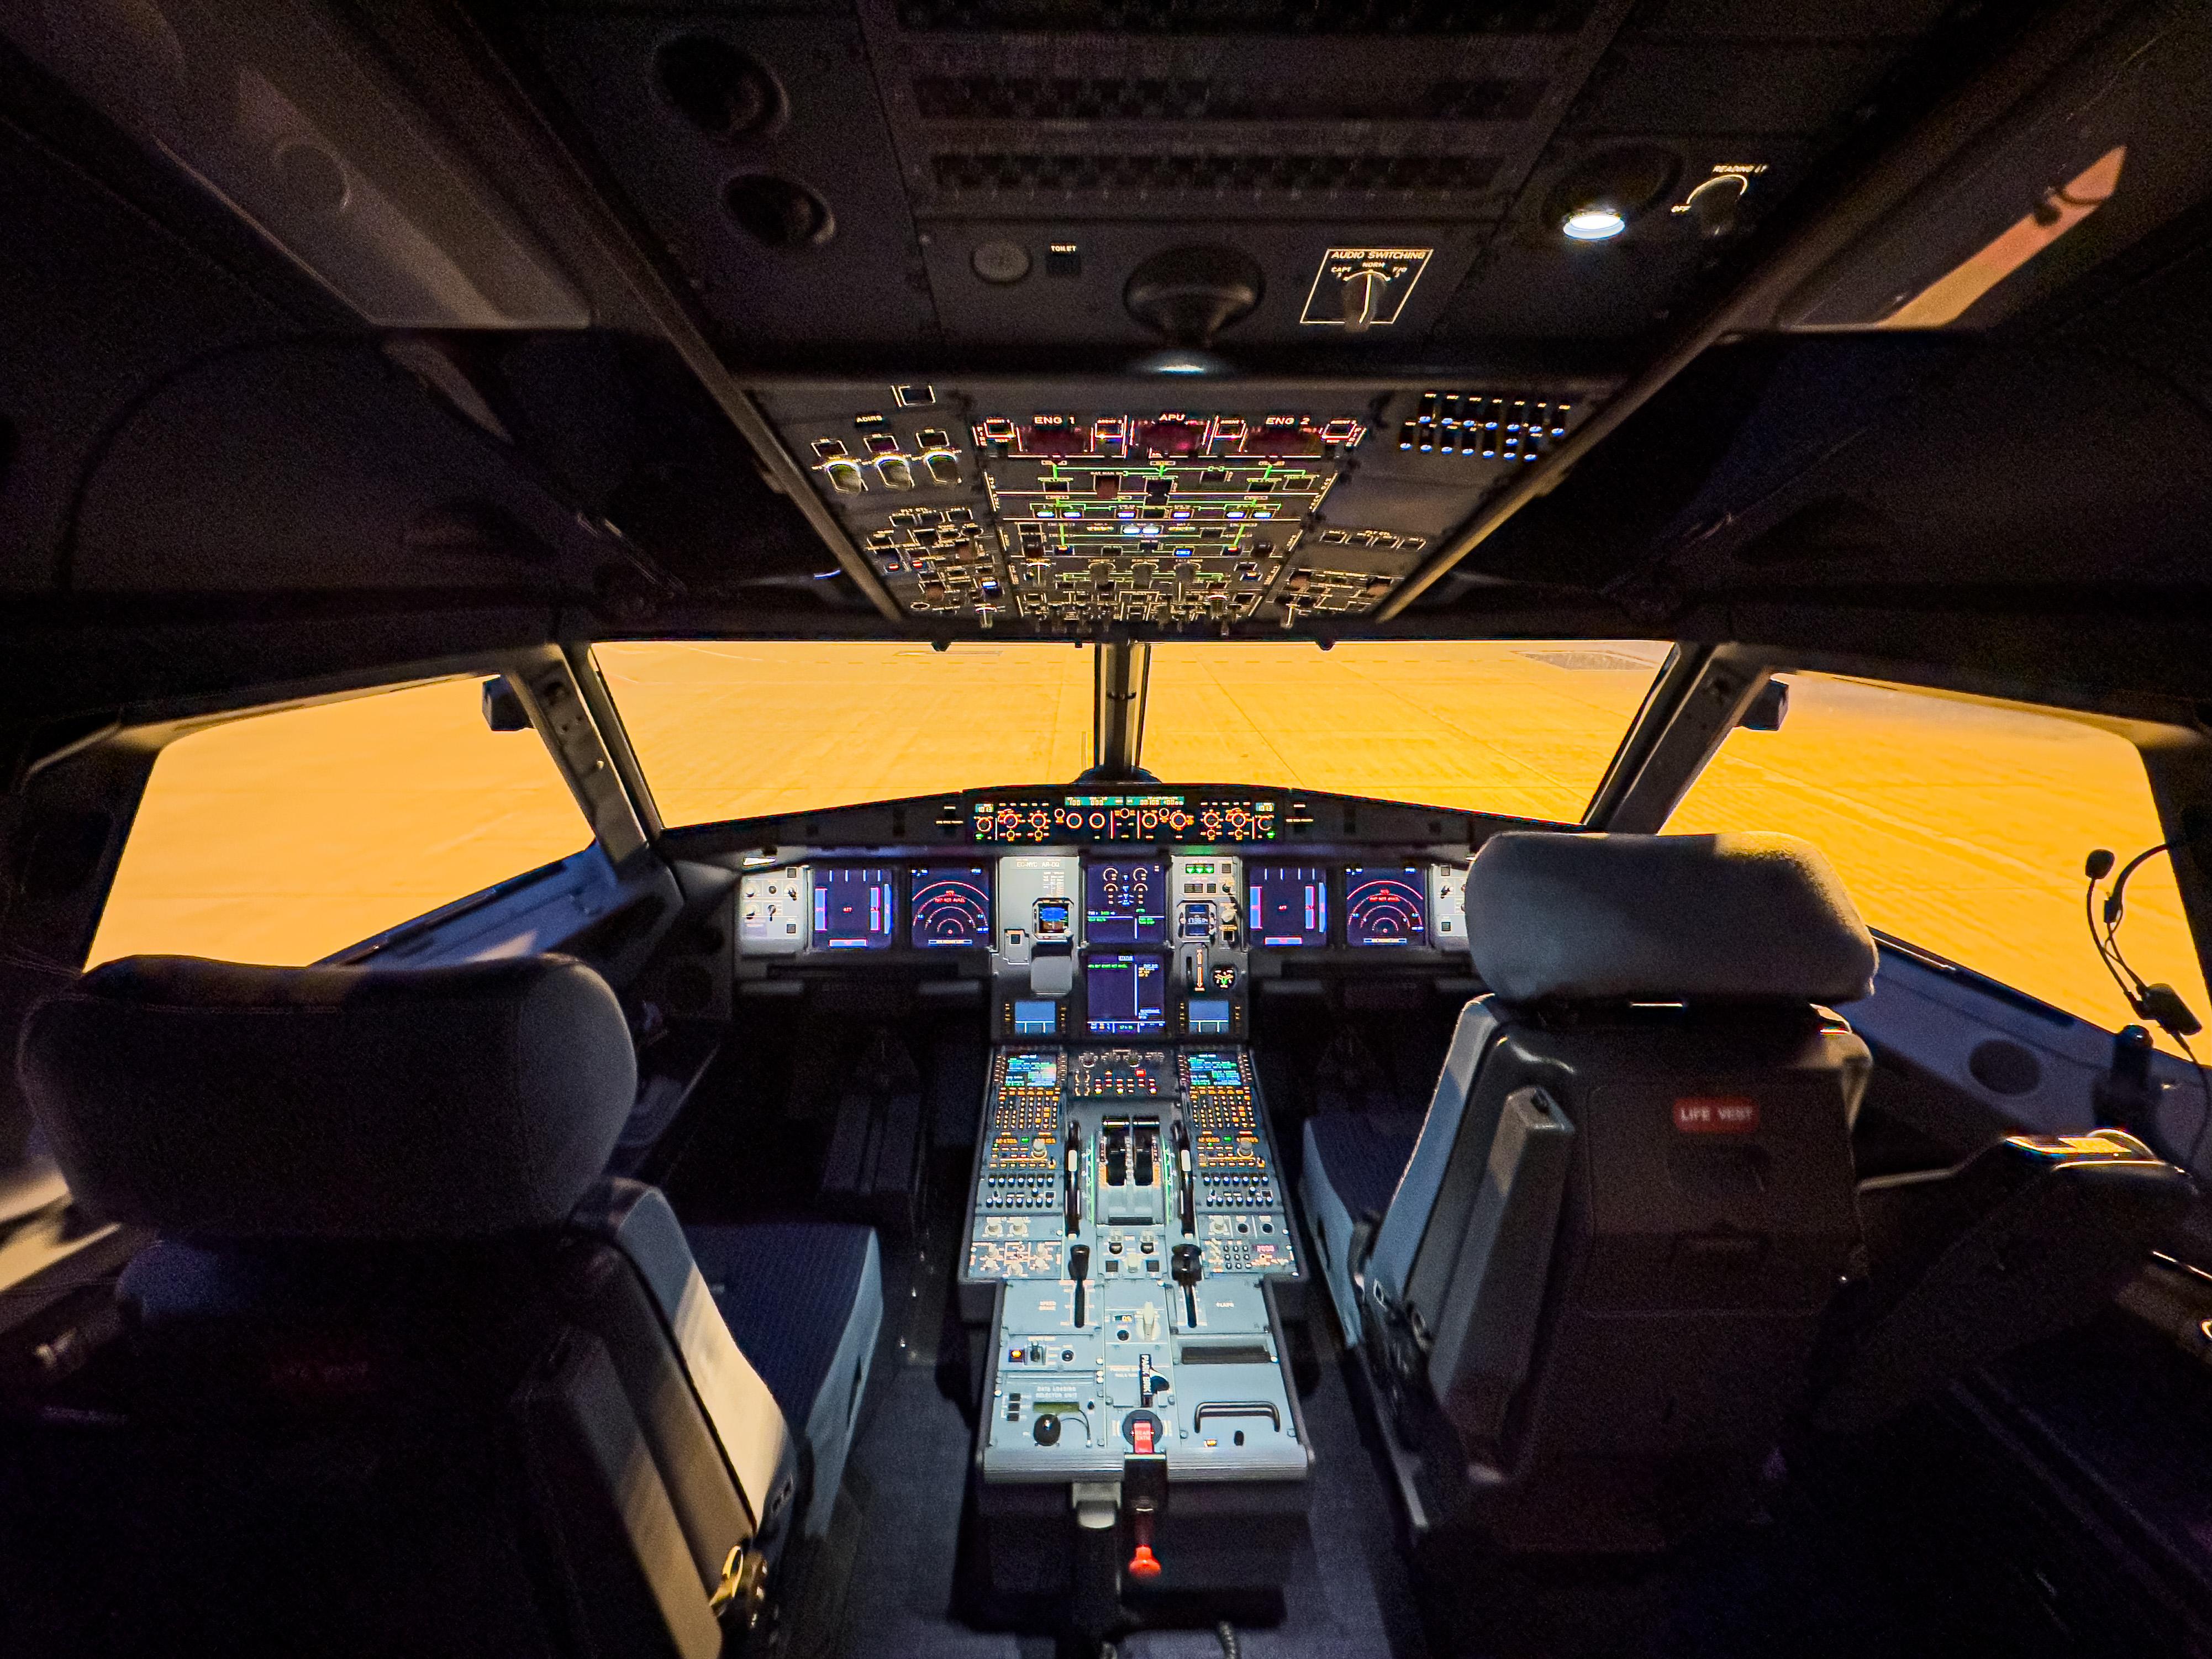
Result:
x=1129 y=1221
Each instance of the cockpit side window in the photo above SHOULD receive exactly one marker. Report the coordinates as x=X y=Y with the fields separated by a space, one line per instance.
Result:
x=1961 y=826
x=285 y=837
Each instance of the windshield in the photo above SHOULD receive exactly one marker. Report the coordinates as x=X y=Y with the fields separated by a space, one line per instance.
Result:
x=1524 y=728
x=733 y=731
x=729 y=730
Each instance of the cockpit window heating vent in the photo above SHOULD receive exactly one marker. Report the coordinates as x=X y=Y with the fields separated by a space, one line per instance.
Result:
x=1250 y=17
x=1485 y=425
x=1048 y=98
x=1219 y=175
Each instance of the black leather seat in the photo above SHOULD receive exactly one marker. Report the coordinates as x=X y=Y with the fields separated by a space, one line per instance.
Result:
x=1596 y=1284
x=805 y=1301
x=1352 y=1163
x=2031 y=1235
x=403 y=1373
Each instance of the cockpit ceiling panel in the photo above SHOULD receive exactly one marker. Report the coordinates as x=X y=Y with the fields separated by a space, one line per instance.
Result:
x=987 y=176
x=1035 y=508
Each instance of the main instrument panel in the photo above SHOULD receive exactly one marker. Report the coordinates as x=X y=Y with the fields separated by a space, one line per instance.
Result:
x=1127 y=1211
x=1128 y=914
x=1266 y=505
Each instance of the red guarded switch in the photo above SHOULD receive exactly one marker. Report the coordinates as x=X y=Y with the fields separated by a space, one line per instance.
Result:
x=1142 y=1429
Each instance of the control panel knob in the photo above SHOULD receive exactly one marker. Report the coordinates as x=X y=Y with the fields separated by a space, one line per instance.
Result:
x=1047 y=1431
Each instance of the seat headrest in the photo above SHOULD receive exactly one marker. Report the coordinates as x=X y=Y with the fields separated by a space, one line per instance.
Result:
x=1598 y=918
x=216 y=1101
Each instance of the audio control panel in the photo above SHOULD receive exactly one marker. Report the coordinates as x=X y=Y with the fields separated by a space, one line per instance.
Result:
x=1129 y=1233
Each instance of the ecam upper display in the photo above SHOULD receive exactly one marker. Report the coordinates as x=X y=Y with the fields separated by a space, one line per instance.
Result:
x=1125 y=902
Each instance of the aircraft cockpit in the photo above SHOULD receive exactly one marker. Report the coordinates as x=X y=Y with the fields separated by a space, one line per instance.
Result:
x=1114 y=827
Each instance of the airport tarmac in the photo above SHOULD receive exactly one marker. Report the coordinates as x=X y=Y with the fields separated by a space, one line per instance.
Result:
x=1960 y=827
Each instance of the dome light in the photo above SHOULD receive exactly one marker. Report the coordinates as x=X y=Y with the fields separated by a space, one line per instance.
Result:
x=1180 y=363
x=1594 y=224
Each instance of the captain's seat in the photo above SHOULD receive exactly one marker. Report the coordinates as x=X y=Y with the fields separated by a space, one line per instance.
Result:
x=402 y=1372
x=1593 y=1290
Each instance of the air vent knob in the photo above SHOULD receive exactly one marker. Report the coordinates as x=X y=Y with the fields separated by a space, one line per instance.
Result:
x=1190 y=294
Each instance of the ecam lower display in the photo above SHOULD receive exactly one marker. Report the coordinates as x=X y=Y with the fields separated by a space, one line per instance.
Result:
x=1125 y=993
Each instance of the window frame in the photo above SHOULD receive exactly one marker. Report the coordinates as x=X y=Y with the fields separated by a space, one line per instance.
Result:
x=109 y=770
x=2177 y=758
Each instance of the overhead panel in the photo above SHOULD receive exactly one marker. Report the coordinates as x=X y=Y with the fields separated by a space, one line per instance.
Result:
x=1071 y=506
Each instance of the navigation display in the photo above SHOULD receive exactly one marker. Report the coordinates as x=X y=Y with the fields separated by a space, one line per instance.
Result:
x=1192 y=820
x=1125 y=993
x=854 y=907
x=1386 y=906
x=1289 y=908
x=1126 y=902
x=951 y=906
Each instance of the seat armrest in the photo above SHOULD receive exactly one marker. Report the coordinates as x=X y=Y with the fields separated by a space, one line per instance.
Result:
x=757 y=1443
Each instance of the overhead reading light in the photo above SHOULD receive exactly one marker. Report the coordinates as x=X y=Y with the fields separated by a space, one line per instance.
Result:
x=1597 y=200
x=1594 y=224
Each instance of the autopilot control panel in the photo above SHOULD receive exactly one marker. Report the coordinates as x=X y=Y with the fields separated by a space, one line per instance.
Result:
x=1129 y=1235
